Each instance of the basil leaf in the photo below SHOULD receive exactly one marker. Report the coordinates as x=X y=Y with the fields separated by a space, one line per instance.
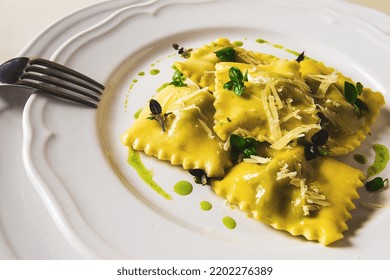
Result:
x=359 y=88
x=375 y=184
x=235 y=75
x=350 y=92
x=242 y=147
x=227 y=54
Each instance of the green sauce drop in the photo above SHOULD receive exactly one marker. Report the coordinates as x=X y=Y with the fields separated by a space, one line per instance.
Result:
x=292 y=52
x=154 y=71
x=380 y=161
x=238 y=43
x=229 y=222
x=360 y=159
x=278 y=46
x=135 y=81
x=136 y=115
x=146 y=175
x=205 y=205
x=261 y=41
x=141 y=73
x=183 y=188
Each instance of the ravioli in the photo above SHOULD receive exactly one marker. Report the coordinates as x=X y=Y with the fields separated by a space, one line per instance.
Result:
x=189 y=140
x=200 y=66
x=283 y=104
x=292 y=194
x=346 y=130
x=274 y=102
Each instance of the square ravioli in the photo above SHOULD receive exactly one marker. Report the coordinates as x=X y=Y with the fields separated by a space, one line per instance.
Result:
x=189 y=139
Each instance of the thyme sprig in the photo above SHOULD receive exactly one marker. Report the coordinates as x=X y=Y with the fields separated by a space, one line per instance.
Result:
x=237 y=81
x=186 y=53
x=156 y=113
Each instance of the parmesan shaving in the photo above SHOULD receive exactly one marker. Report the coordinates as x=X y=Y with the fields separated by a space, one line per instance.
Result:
x=325 y=80
x=257 y=159
x=293 y=134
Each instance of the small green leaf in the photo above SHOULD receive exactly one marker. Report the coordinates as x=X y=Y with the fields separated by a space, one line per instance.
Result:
x=242 y=147
x=237 y=80
x=359 y=88
x=350 y=92
x=155 y=107
x=235 y=74
x=178 y=79
x=300 y=57
x=376 y=184
x=229 y=85
x=226 y=54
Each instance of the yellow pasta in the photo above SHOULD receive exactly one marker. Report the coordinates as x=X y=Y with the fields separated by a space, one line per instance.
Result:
x=264 y=131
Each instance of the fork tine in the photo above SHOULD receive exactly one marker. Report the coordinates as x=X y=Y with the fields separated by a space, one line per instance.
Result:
x=50 y=90
x=61 y=76
x=61 y=68
x=58 y=83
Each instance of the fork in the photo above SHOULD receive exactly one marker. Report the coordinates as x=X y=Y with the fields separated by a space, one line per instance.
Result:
x=46 y=77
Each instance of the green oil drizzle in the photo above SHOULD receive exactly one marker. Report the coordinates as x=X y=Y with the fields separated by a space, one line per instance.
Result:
x=142 y=73
x=183 y=188
x=360 y=158
x=292 y=52
x=154 y=72
x=136 y=114
x=238 y=43
x=278 y=46
x=380 y=161
x=261 y=41
x=229 y=222
x=146 y=175
x=205 y=205
x=135 y=81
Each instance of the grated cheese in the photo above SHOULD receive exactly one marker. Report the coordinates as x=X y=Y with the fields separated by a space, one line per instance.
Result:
x=293 y=134
x=325 y=82
x=257 y=159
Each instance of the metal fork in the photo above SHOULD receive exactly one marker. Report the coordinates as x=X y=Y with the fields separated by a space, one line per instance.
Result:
x=43 y=76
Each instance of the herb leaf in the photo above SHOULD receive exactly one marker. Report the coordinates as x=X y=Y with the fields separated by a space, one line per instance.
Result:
x=351 y=94
x=376 y=184
x=241 y=147
x=237 y=81
x=300 y=57
x=200 y=176
x=178 y=79
x=227 y=54
x=156 y=110
x=155 y=107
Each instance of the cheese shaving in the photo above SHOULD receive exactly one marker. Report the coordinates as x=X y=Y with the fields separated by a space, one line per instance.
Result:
x=325 y=82
x=293 y=134
x=257 y=159
x=207 y=129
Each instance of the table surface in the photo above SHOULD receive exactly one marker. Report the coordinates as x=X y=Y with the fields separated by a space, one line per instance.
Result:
x=34 y=16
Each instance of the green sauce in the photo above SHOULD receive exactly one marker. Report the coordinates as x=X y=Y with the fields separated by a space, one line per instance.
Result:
x=278 y=46
x=136 y=115
x=380 y=161
x=261 y=41
x=141 y=73
x=229 y=222
x=154 y=71
x=360 y=159
x=205 y=205
x=292 y=52
x=183 y=188
x=146 y=175
x=135 y=81
x=238 y=43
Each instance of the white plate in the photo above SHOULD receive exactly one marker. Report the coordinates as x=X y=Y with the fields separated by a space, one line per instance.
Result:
x=26 y=229
x=76 y=161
